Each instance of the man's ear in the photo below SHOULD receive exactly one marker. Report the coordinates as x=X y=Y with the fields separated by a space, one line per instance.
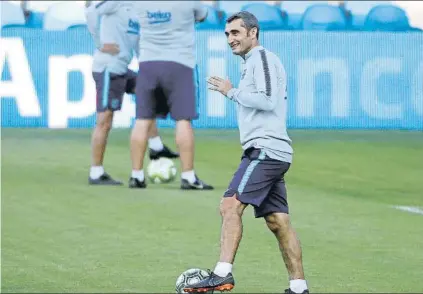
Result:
x=253 y=32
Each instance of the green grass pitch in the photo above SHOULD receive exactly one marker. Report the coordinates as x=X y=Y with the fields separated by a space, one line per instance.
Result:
x=60 y=235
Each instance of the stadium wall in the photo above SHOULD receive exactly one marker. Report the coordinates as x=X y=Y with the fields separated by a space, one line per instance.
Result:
x=354 y=80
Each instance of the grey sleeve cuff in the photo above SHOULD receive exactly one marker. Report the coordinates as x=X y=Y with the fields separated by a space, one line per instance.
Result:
x=231 y=94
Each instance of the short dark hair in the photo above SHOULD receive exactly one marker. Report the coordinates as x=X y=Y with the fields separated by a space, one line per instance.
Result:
x=249 y=19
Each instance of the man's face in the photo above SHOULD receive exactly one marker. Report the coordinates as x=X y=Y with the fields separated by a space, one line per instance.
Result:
x=238 y=37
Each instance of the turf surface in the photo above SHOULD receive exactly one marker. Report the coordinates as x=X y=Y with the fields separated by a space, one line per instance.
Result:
x=59 y=235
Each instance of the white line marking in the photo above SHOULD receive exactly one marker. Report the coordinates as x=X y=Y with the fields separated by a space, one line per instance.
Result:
x=411 y=209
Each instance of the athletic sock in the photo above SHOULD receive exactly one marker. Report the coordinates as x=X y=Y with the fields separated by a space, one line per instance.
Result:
x=138 y=174
x=155 y=143
x=222 y=269
x=298 y=286
x=189 y=176
x=96 y=172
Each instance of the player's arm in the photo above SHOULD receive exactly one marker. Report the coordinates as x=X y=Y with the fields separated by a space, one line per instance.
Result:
x=265 y=80
x=200 y=11
x=137 y=46
x=106 y=6
x=93 y=25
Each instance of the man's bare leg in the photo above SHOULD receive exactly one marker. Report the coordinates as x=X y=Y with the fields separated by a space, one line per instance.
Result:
x=289 y=245
x=231 y=210
x=154 y=140
x=185 y=141
x=99 y=138
x=139 y=139
x=157 y=148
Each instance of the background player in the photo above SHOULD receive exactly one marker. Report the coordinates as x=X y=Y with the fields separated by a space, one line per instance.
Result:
x=167 y=64
x=115 y=31
x=259 y=180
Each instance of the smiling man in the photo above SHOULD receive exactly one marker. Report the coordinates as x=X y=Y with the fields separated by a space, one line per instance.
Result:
x=261 y=100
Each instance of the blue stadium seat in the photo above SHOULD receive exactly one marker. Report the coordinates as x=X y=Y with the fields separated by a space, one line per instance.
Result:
x=357 y=11
x=269 y=16
x=63 y=15
x=10 y=26
x=295 y=10
x=415 y=29
x=35 y=20
x=78 y=26
x=231 y=7
x=324 y=17
x=11 y=15
x=213 y=20
x=388 y=18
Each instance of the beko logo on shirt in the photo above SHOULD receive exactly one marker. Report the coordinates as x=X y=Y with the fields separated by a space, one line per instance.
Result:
x=159 y=17
x=133 y=27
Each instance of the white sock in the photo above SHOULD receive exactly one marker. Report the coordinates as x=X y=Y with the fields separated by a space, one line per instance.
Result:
x=138 y=174
x=298 y=286
x=222 y=269
x=189 y=176
x=155 y=143
x=96 y=172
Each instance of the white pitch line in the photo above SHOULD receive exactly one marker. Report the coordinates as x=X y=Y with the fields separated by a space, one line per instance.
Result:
x=411 y=209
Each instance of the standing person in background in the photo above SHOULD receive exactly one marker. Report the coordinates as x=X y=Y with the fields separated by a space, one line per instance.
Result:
x=115 y=31
x=167 y=64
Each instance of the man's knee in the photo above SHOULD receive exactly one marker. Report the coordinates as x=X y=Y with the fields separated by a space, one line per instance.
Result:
x=278 y=222
x=104 y=120
x=141 y=128
x=230 y=206
x=184 y=132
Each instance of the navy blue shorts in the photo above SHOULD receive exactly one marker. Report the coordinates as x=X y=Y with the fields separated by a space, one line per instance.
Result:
x=111 y=87
x=259 y=181
x=166 y=87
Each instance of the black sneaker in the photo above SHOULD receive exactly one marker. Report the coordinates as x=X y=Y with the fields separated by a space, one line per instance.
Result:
x=197 y=185
x=137 y=184
x=211 y=283
x=289 y=291
x=105 y=180
x=165 y=152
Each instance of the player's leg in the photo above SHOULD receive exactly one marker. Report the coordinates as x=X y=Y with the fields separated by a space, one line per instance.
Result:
x=156 y=147
x=275 y=211
x=250 y=185
x=180 y=87
x=109 y=99
x=99 y=137
x=289 y=245
x=145 y=117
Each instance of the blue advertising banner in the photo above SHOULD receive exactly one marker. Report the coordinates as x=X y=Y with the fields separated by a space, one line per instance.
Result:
x=348 y=80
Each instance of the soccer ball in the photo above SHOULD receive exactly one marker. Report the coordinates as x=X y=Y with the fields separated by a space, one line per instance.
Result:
x=189 y=277
x=161 y=170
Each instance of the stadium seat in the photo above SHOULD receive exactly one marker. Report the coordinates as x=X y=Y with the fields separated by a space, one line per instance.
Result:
x=269 y=16
x=78 y=26
x=357 y=11
x=230 y=7
x=63 y=15
x=324 y=17
x=213 y=20
x=387 y=18
x=35 y=20
x=11 y=15
x=295 y=10
x=414 y=10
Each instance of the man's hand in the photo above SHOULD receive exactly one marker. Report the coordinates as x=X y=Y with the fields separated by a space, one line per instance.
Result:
x=110 y=48
x=220 y=85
